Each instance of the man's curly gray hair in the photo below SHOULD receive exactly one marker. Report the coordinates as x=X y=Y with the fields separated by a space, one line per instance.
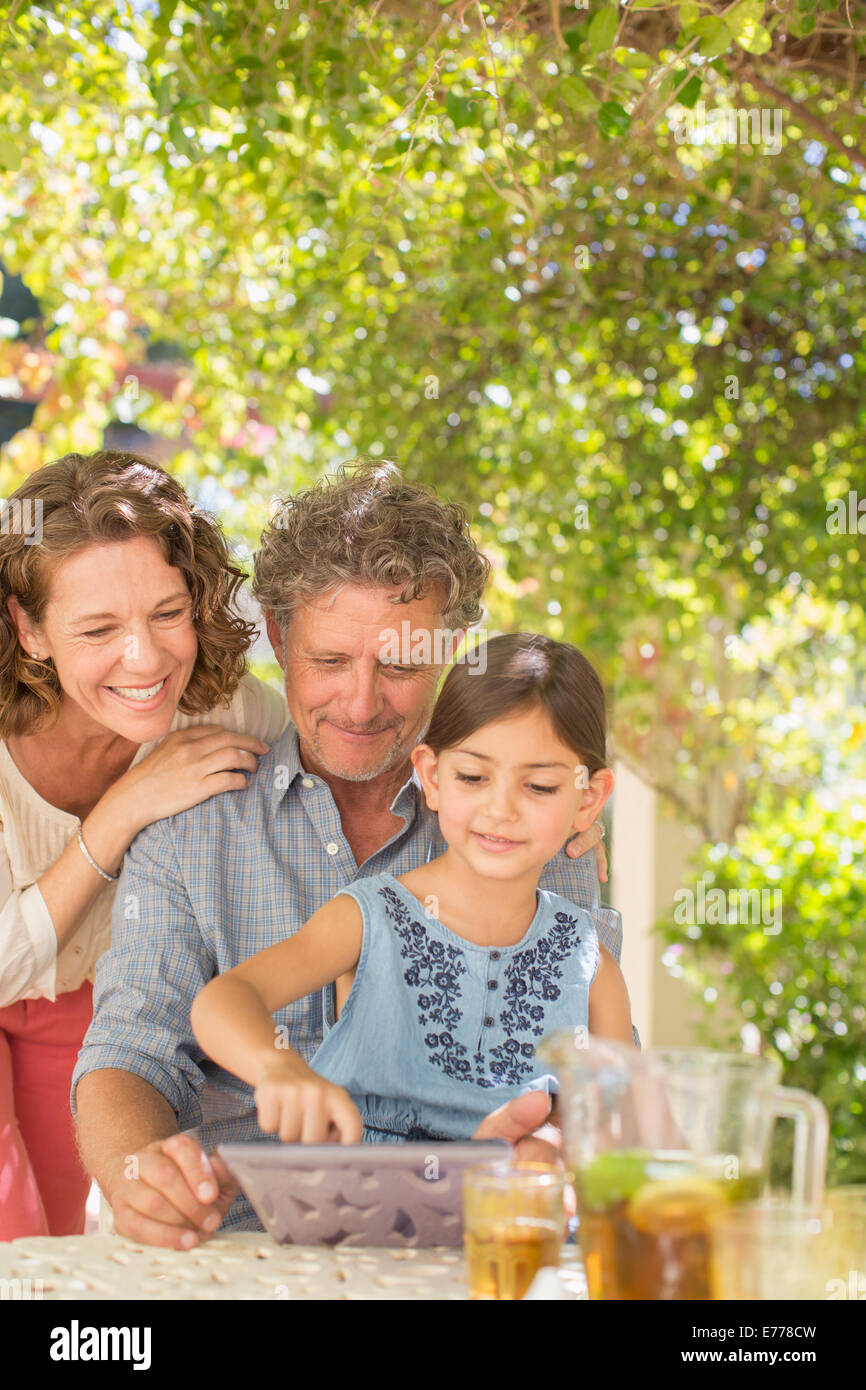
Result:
x=364 y=524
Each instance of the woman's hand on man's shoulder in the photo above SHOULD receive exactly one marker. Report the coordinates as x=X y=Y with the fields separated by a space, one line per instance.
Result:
x=185 y=768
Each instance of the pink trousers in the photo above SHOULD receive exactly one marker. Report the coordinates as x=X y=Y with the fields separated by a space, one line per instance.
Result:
x=43 y=1187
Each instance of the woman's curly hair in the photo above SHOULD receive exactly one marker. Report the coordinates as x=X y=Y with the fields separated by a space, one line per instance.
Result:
x=94 y=499
x=364 y=525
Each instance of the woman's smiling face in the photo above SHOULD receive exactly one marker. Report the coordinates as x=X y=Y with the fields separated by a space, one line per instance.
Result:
x=118 y=626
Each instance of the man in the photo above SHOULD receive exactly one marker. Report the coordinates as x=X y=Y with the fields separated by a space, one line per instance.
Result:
x=344 y=567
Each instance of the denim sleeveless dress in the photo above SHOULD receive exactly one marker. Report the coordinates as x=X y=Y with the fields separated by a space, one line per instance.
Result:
x=436 y=1031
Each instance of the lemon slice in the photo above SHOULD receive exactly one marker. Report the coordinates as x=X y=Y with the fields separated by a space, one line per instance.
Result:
x=676 y=1207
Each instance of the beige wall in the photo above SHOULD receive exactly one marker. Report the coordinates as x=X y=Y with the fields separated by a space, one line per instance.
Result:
x=650 y=861
x=632 y=876
x=675 y=1009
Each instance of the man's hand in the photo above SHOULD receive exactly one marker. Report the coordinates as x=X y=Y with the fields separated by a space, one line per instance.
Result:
x=521 y=1122
x=174 y=1194
x=590 y=839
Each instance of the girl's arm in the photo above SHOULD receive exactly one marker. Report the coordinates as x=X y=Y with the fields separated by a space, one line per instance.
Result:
x=609 y=1009
x=231 y=1018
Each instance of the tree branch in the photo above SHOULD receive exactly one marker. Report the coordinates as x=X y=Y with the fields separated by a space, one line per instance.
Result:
x=807 y=117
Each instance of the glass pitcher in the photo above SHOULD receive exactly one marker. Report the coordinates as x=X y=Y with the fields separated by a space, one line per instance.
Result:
x=659 y=1143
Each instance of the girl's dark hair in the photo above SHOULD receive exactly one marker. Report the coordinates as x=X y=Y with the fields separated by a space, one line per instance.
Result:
x=524 y=669
x=84 y=500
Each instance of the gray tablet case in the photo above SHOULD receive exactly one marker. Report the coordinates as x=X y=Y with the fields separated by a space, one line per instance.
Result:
x=400 y=1195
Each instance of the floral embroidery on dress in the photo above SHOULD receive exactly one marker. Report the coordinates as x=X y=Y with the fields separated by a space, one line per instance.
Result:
x=530 y=984
x=435 y=970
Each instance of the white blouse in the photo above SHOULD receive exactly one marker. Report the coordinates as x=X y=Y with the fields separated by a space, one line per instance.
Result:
x=34 y=834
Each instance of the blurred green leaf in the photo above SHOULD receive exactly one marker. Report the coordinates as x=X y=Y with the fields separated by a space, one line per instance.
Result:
x=754 y=38
x=10 y=154
x=716 y=37
x=602 y=30
x=462 y=110
x=576 y=93
x=614 y=121
x=689 y=94
x=352 y=257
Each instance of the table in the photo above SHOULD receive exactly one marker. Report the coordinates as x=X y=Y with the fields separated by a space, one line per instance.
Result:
x=240 y=1266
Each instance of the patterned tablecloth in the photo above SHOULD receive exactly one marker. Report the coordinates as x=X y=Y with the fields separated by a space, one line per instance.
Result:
x=244 y=1266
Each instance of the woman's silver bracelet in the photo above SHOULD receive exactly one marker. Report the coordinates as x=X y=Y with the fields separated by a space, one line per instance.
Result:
x=89 y=857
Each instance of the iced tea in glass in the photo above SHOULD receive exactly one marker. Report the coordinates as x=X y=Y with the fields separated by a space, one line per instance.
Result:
x=660 y=1143
x=513 y=1226
x=645 y=1220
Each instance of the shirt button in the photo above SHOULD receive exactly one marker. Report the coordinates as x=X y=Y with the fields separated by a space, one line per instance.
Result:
x=489 y=1021
x=306 y=782
x=332 y=848
x=494 y=955
x=491 y=984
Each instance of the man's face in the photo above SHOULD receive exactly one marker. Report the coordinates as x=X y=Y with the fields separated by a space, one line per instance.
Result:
x=361 y=676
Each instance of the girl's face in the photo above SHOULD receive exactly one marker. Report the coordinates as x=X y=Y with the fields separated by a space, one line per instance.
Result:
x=511 y=794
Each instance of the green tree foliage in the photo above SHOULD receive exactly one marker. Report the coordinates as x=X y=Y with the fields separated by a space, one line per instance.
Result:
x=803 y=987
x=597 y=272
x=414 y=210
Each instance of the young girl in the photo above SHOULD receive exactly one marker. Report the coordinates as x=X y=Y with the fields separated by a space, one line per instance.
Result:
x=447 y=976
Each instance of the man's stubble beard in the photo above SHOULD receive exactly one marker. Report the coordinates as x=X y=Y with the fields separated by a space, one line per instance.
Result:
x=395 y=755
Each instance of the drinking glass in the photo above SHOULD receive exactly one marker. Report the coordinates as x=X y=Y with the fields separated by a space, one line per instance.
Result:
x=848 y=1208
x=777 y=1248
x=513 y=1225
x=662 y=1141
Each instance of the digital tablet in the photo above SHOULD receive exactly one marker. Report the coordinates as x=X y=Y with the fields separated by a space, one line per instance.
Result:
x=359 y=1194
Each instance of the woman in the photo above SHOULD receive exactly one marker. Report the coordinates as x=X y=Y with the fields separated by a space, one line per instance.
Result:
x=124 y=698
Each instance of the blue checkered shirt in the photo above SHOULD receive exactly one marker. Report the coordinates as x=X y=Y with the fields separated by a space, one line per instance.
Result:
x=204 y=890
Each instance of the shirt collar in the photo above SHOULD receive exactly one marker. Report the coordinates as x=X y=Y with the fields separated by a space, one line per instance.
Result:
x=286 y=759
